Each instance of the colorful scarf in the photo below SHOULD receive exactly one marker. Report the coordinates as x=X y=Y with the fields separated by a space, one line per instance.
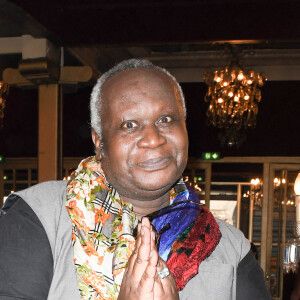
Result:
x=102 y=227
x=192 y=237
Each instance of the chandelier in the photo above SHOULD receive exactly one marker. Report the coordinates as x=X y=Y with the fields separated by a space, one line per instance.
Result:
x=4 y=89
x=233 y=95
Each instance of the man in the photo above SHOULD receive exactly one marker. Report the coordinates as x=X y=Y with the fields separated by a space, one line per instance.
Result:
x=138 y=128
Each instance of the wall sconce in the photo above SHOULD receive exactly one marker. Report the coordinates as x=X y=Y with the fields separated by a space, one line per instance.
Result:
x=256 y=192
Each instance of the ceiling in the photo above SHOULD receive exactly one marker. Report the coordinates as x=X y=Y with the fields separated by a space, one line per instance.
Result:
x=186 y=37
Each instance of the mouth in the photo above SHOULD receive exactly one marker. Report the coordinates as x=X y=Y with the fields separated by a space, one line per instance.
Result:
x=154 y=163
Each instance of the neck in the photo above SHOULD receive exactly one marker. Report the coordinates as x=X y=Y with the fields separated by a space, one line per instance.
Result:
x=142 y=208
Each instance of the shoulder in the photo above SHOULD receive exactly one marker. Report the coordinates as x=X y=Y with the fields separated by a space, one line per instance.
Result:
x=47 y=200
x=233 y=240
x=229 y=231
x=44 y=191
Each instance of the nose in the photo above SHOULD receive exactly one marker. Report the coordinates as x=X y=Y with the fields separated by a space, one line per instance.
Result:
x=151 y=138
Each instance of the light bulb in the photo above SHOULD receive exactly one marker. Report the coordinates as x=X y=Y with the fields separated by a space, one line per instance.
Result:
x=246 y=97
x=297 y=185
x=220 y=100
x=230 y=94
x=297 y=198
x=240 y=76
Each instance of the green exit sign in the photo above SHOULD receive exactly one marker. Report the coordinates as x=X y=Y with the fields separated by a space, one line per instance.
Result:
x=210 y=155
x=1 y=159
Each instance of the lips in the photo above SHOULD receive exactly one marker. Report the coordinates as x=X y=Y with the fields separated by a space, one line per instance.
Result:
x=154 y=163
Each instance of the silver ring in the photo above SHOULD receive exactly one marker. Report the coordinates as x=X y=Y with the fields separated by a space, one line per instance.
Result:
x=164 y=273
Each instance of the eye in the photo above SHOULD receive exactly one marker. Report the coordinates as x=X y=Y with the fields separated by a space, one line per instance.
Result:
x=165 y=119
x=128 y=125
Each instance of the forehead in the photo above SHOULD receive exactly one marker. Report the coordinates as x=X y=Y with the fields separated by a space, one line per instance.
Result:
x=150 y=83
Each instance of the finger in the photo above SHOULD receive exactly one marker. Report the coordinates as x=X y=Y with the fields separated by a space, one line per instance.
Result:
x=153 y=245
x=159 y=290
x=139 y=254
x=129 y=278
x=167 y=284
x=146 y=222
x=143 y=253
x=162 y=265
x=146 y=285
x=146 y=240
x=133 y=256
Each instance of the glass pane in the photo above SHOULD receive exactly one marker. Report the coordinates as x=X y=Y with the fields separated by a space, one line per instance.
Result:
x=257 y=219
x=284 y=216
x=279 y=182
x=196 y=179
x=22 y=174
x=231 y=183
x=8 y=175
x=21 y=186
x=223 y=202
x=34 y=174
x=7 y=188
x=245 y=210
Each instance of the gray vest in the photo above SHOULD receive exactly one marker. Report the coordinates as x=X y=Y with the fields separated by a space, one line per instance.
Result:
x=217 y=274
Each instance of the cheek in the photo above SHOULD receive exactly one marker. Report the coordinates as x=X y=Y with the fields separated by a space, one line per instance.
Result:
x=181 y=144
x=117 y=152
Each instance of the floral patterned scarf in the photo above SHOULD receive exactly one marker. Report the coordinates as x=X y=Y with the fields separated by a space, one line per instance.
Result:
x=102 y=227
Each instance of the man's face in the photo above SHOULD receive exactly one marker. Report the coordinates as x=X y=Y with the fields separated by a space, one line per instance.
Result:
x=145 y=143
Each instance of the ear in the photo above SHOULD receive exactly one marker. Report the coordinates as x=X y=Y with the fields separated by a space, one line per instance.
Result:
x=97 y=143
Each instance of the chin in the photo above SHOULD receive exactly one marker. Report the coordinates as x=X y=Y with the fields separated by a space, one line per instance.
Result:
x=152 y=194
x=159 y=185
x=159 y=179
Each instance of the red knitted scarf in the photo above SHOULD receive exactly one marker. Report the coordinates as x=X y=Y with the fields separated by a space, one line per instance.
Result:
x=193 y=246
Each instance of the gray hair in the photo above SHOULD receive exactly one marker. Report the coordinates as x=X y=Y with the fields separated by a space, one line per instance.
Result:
x=96 y=99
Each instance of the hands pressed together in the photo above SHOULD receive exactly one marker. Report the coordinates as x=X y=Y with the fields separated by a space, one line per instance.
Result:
x=141 y=280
